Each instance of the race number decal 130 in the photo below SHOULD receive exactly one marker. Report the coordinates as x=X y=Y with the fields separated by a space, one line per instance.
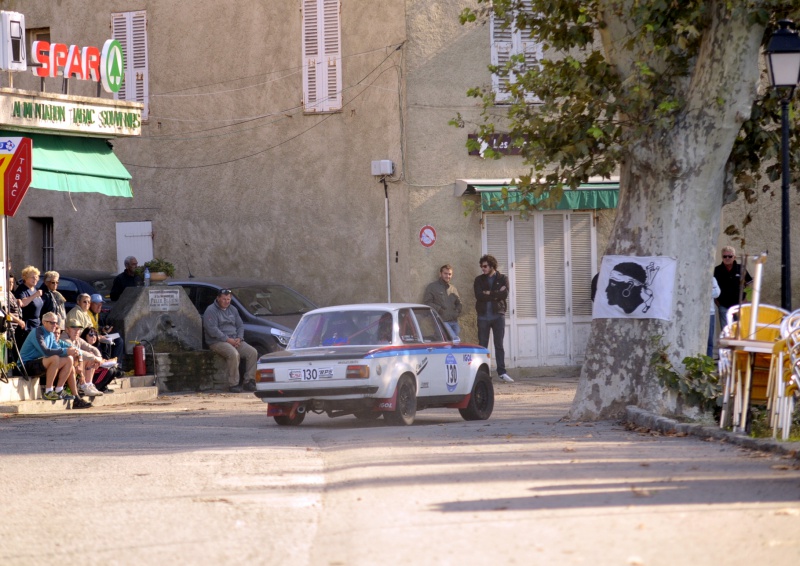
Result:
x=451 y=368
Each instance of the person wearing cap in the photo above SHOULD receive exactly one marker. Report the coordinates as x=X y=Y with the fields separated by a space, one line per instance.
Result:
x=79 y=316
x=223 y=331
x=43 y=354
x=109 y=348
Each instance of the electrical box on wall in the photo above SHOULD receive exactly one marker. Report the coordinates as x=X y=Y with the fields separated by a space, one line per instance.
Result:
x=382 y=167
x=12 y=42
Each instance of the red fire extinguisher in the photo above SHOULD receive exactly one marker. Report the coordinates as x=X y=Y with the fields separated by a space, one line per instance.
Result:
x=139 y=364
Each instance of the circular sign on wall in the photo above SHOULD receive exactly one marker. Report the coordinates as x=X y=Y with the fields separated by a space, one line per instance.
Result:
x=427 y=235
x=112 y=66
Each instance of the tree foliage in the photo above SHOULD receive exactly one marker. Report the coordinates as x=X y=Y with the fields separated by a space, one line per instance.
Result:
x=597 y=99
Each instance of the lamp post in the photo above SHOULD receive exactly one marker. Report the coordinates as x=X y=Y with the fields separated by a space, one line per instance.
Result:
x=783 y=62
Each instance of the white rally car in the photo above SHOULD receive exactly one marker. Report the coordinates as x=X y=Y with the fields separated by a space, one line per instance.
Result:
x=372 y=360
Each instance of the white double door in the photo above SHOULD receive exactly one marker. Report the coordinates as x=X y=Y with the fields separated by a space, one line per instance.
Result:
x=549 y=258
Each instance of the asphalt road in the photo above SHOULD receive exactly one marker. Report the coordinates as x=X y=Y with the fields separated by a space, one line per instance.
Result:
x=209 y=479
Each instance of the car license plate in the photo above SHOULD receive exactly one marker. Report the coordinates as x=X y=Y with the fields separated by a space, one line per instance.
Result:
x=310 y=374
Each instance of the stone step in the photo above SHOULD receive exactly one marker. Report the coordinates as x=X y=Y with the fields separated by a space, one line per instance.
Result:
x=118 y=397
x=23 y=397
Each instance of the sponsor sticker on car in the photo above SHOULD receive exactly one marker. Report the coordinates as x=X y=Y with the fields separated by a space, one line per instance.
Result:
x=451 y=369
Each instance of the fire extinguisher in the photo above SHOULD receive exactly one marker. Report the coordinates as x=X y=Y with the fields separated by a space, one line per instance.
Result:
x=139 y=364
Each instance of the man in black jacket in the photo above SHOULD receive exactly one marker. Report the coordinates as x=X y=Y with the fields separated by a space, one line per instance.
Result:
x=728 y=276
x=491 y=292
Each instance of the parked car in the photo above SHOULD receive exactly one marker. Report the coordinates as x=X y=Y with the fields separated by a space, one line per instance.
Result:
x=73 y=282
x=269 y=311
x=371 y=360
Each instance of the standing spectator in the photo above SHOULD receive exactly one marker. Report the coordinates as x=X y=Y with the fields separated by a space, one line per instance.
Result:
x=30 y=300
x=14 y=316
x=224 y=334
x=442 y=296
x=728 y=276
x=42 y=354
x=491 y=292
x=715 y=291
x=53 y=301
x=128 y=278
x=79 y=316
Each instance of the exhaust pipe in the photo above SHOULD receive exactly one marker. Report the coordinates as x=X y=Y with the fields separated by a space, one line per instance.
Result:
x=301 y=409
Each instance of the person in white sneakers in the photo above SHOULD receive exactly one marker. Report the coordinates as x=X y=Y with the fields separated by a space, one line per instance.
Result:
x=491 y=293
x=89 y=359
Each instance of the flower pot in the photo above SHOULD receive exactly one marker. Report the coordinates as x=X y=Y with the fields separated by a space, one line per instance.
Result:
x=156 y=276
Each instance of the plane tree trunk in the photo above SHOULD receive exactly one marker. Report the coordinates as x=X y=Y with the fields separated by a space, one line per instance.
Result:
x=671 y=190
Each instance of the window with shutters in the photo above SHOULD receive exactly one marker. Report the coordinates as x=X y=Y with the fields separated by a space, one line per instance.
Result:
x=130 y=29
x=508 y=40
x=322 y=56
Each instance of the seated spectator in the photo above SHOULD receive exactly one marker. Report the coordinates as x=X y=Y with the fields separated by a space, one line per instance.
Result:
x=224 y=333
x=88 y=362
x=79 y=316
x=128 y=278
x=30 y=301
x=109 y=348
x=42 y=354
x=53 y=301
x=104 y=374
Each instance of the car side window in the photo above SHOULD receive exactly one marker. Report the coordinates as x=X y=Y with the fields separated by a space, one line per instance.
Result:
x=408 y=330
x=69 y=289
x=428 y=326
x=205 y=296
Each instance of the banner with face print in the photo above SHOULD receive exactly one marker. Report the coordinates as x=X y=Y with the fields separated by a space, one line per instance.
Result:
x=635 y=287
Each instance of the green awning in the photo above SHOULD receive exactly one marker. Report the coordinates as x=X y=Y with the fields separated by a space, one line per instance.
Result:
x=78 y=165
x=593 y=196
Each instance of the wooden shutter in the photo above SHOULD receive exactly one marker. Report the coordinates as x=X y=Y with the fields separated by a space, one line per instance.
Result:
x=130 y=29
x=497 y=239
x=581 y=264
x=322 y=56
x=525 y=266
x=502 y=46
x=553 y=251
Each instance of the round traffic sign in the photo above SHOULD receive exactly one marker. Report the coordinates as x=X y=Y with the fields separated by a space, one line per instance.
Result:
x=427 y=236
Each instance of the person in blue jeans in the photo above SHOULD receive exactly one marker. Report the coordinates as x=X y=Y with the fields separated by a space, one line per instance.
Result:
x=491 y=294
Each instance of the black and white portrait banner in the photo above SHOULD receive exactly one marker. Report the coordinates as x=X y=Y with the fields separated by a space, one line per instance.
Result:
x=635 y=287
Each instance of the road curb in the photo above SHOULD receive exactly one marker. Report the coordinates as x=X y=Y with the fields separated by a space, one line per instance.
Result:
x=640 y=417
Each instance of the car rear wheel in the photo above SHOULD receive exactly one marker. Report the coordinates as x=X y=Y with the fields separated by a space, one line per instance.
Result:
x=406 y=405
x=287 y=420
x=481 y=402
x=367 y=415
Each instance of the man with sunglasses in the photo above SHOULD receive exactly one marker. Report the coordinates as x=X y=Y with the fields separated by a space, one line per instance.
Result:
x=491 y=294
x=728 y=276
x=42 y=354
x=224 y=333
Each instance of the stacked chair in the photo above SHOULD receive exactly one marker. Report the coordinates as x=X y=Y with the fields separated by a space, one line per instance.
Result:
x=784 y=377
x=747 y=381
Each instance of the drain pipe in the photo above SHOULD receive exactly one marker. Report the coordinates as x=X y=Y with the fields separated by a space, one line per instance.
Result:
x=388 y=255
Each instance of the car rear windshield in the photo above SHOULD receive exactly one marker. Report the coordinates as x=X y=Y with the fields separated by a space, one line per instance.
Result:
x=272 y=300
x=344 y=328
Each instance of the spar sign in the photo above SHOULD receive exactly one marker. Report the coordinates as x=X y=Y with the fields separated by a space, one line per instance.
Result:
x=83 y=63
x=16 y=172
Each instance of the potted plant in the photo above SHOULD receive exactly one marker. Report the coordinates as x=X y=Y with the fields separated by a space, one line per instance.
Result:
x=159 y=268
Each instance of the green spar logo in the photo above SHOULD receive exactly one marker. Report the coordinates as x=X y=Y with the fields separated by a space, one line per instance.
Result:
x=112 y=66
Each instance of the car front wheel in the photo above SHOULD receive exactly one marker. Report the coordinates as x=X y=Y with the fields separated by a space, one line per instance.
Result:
x=481 y=402
x=406 y=406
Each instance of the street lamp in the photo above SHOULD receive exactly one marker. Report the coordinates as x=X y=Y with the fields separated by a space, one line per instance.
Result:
x=783 y=59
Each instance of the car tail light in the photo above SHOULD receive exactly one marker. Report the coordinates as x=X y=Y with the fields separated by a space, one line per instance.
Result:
x=357 y=372
x=264 y=375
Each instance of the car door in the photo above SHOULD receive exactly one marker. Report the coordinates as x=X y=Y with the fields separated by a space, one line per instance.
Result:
x=440 y=374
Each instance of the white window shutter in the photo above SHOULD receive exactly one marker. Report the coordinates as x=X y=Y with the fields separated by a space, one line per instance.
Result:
x=501 y=49
x=130 y=29
x=581 y=264
x=322 y=56
x=525 y=266
x=553 y=250
x=139 y=60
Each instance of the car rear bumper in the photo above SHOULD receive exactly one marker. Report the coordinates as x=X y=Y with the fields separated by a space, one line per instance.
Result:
x=318 y=392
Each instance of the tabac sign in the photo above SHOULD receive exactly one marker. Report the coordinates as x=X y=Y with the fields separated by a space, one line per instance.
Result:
x=16 y=172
